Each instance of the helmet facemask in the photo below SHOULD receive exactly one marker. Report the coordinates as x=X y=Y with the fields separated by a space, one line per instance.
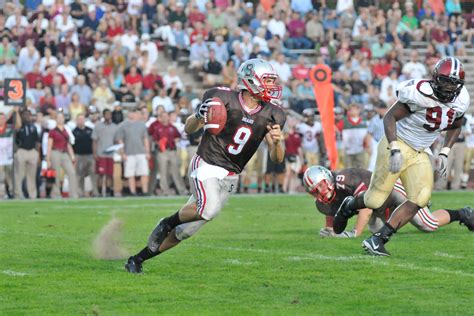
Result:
x=447 y=89
x=262 y=89
x=323 y=191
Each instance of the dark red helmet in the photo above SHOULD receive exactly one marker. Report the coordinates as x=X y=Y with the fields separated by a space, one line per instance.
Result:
x=448 y=79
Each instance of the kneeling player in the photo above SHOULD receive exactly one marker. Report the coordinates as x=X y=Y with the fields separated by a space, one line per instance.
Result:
x=214 y=170
x=330 y=189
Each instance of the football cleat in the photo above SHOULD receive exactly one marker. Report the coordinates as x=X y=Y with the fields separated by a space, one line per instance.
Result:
x=326 y=232
x=158 y=235
x=342 y=215
x=374 y=245
x=133 y=266
x=466 y=217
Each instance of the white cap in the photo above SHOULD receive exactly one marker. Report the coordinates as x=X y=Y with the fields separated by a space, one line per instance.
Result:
x=91 y=8
x=145 y=37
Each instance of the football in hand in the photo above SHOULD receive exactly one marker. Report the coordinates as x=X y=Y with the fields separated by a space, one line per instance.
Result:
x=214 y=121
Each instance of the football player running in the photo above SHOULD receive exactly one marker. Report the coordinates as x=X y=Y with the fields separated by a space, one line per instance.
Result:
x=330 y=188
x=253 y=114
x=424 y=109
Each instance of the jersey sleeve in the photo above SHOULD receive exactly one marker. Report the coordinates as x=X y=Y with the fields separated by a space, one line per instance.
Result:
x=327 y=209
x=406 y=93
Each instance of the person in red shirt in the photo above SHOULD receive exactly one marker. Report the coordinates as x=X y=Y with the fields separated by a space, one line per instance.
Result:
x=199 y=29
x=133 y=80
x=165 y=135
x=153 y=81
x=300 y=71
x=381 y=69
x=33 y=76
x=50 y=74
x=294 y=159
x=114 y=29
x=365 y=50
x=61 y=155
x=195 y=16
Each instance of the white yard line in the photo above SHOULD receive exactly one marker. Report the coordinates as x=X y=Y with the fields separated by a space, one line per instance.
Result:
x=320 y=257
x=14 y=273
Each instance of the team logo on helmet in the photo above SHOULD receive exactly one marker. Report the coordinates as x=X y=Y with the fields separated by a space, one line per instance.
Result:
x=253 y=76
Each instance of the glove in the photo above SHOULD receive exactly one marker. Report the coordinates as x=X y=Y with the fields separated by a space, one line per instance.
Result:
x=326 y=232
x=201 y=110
x=396 y=159
x=347 y=234
x=443 y=162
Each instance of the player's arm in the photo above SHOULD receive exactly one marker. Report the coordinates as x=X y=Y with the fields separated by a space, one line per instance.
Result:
x=453 y=132
x=193 y=124
x=452 y=135
x=274 y=139
x=396 y=112
x=362 y=221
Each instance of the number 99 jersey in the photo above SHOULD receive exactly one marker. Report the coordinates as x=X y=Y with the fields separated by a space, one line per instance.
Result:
x=429 y=116
x=245 y=129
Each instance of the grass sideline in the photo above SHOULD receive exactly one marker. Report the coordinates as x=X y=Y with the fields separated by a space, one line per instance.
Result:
x=262 y=255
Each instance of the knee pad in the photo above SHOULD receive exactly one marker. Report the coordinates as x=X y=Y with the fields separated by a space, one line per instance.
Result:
x=209 y=209
x=374 y=198
x=186 y=230
x=423 y=197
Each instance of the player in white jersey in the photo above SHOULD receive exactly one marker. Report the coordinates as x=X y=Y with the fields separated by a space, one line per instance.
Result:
x=424 y=109
x=469 y=155
x=310 y=131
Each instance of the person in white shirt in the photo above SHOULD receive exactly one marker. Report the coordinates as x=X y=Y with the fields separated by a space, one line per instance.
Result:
x=68 y=71
x=310 y=131
x=259 y=39
x=414 y=69
x=163 y=100
x=282 y=68
x=129 y=40
x=150 y=47
x=64 y=22
x=172 y=77
x=95 y=61
x=16 y=19
x=388 y=87
x=277 y=26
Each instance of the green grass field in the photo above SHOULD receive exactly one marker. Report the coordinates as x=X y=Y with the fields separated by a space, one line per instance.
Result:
x=262 y=255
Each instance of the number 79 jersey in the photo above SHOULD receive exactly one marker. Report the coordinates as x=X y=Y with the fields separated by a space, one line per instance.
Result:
x=429 y=116
x=243 y=132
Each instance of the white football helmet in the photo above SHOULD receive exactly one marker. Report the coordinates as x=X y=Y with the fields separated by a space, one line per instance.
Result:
x=251 y=77
x=319 y=182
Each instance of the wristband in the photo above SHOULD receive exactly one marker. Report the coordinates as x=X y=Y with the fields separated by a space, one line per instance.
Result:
x=445 y=151
x=394 y=145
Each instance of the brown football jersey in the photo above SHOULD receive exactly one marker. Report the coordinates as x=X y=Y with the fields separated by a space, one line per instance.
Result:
x=351 y=182
x=243 y=132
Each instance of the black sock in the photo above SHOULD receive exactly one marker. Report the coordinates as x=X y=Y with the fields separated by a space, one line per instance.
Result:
x=173 y=220
x=357 y=203
x=146 y=254
x=386 y=231
x=453 y=215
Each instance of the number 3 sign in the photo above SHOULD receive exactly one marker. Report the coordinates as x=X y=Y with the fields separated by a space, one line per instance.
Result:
x=15 y=92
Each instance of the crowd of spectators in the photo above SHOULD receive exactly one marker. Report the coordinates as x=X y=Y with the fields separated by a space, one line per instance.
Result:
x=106 y=101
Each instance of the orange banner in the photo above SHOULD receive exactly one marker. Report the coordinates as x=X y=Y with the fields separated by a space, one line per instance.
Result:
x=321 y=75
